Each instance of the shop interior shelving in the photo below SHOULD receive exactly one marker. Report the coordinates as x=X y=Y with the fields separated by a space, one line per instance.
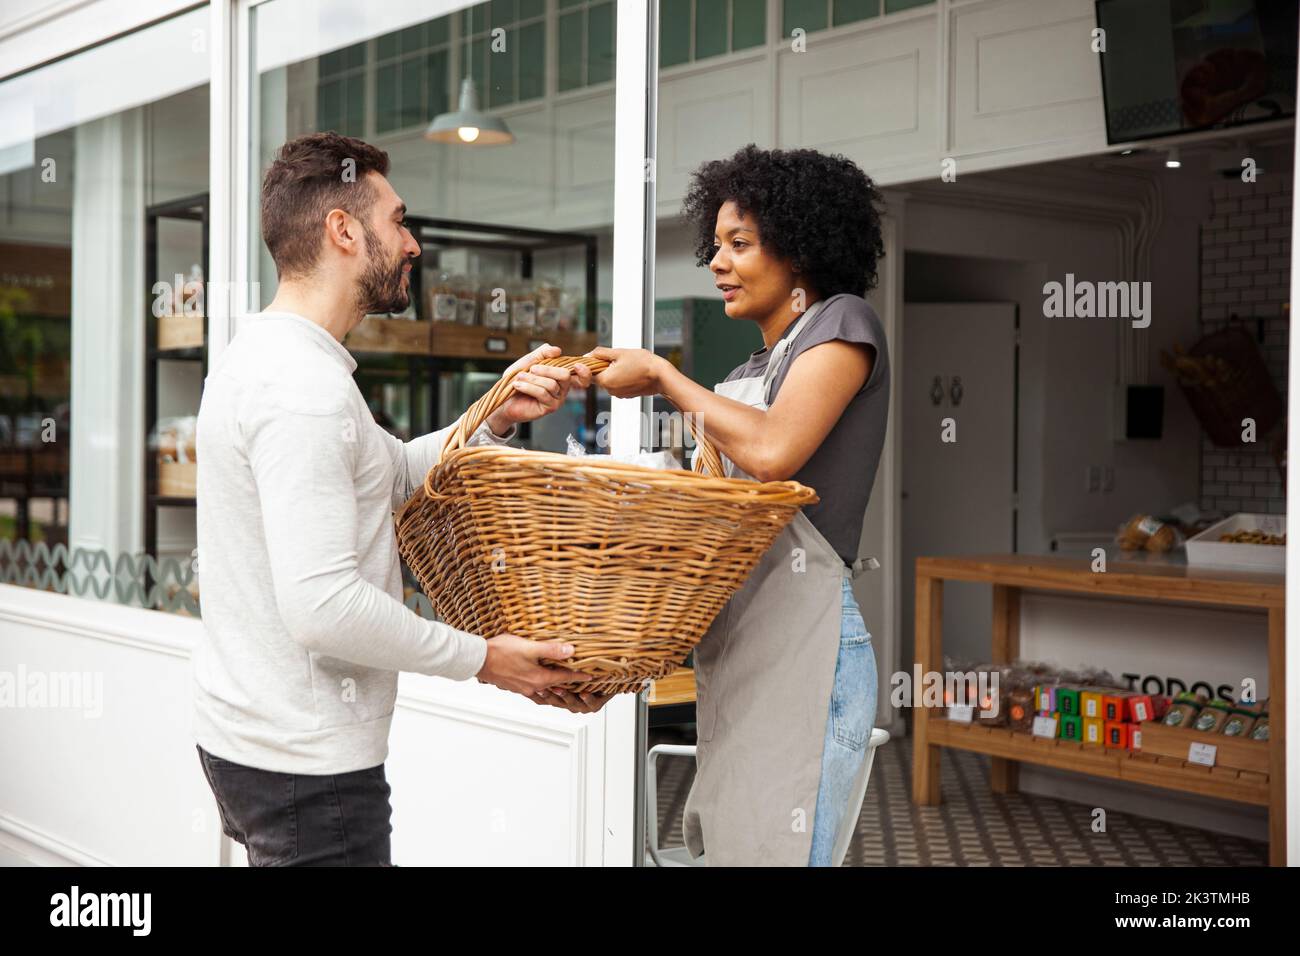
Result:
x=416 y=353
x=169 y=338
x=1010 y=575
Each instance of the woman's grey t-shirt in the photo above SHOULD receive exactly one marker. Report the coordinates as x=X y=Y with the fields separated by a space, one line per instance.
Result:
x=843 y=469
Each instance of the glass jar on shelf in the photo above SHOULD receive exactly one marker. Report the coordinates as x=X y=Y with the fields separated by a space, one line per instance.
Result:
x=567 y=321
x=466 y=289
x=494 y=304
x=441 y=299
x=523 y=306
x=548 y=305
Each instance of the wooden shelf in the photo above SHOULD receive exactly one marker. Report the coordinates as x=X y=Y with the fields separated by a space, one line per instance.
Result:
x=177 y=479
x=390 y=336
x=445 y=340
x=479 y=342
x=1129 y=579
x=180 y=332
x=1134 y=577
x=1134 y=766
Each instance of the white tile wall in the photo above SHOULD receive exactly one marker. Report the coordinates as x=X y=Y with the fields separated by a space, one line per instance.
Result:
x=1246 y=272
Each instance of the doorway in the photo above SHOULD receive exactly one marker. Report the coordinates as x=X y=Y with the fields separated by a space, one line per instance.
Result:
x=959 y=420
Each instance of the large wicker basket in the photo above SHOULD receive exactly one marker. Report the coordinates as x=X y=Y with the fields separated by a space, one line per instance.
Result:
x=629 y=564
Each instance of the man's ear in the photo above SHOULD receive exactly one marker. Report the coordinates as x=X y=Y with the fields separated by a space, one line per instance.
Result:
x=342 y=231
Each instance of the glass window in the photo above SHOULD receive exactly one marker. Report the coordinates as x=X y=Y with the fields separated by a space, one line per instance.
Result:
x=810 y=15
x=516 y=239
x=103 y=264
x=806 y=15
x=503 y=47
x=697 y=29
x=586 y=43
x=851 y=11
x=412 y=78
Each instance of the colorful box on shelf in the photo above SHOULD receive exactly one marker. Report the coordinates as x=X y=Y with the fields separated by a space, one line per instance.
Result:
x=1094 y=731
x=1069 y=726
x=1116 y=735
x=1140 y=708
x=1067 y=701
x=1090 y=705
x=1112 y=707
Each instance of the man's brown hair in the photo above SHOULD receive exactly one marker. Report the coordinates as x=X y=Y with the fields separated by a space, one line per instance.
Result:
x=310 y=176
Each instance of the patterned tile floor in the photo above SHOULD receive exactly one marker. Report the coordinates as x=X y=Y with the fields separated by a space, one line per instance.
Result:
x=975 y=827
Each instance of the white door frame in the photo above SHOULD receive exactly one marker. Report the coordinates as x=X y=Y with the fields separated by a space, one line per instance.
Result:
x=1291 y=723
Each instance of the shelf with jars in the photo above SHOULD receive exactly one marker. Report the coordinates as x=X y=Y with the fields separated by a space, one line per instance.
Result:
x=481 y=296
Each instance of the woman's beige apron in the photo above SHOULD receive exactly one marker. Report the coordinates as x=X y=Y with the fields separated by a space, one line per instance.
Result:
x=764 y=672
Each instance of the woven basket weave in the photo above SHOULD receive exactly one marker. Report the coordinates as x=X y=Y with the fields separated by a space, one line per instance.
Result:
x=629 y=564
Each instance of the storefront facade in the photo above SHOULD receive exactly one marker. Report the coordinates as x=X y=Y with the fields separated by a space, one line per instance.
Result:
x=132 y=139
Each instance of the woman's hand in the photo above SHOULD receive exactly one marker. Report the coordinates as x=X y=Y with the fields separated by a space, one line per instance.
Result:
x=577 y=703
x=631 y=372
x=539 y=390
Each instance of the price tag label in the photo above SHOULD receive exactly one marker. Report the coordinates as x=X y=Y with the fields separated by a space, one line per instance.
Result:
x=1202 y=754
x=494 y=343
x=1044 y=726
x=960 y=714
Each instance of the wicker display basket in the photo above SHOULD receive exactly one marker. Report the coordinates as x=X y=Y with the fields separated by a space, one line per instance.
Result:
x=629 y=564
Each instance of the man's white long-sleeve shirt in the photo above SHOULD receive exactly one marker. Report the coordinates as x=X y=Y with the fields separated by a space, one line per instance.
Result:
x=299 y=573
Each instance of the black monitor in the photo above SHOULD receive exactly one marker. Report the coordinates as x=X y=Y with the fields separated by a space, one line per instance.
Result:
x=1174 y=66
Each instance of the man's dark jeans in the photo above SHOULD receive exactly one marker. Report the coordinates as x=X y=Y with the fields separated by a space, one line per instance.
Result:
x=287 y=819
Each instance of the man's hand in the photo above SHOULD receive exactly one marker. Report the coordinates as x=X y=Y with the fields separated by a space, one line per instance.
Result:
x=631 y=372
x=585 y=702
x=539 y=389
x=514 y=663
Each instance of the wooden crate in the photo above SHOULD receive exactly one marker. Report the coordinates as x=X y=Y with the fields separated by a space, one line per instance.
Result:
x=1235 y=752
x=399 y=336
x=180 y=331
x=177 y=479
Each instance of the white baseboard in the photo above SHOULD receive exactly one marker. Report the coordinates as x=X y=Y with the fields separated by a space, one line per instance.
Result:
x=41 y=848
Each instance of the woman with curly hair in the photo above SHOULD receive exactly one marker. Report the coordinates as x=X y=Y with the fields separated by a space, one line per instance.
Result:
x=786 y=675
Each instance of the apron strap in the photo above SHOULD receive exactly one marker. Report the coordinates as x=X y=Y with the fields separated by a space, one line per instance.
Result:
x=782 y=349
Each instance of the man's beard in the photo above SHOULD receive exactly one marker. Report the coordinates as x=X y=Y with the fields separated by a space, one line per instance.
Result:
x=379 y=289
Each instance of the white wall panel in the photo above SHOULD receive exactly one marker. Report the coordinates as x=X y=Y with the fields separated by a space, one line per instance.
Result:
x=1023 y=73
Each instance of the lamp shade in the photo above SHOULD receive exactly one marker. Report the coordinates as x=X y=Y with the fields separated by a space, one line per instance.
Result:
x=468 y=125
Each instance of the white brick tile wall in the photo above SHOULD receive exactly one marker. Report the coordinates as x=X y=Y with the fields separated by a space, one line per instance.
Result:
x=1246 y=272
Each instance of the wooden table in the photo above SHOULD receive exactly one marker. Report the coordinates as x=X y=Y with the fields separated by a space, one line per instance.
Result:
x=1010 y=575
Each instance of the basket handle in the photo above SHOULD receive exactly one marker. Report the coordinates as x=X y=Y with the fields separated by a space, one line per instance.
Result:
x=707 y=461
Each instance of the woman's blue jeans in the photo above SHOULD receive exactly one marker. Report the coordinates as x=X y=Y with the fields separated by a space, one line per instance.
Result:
x=849 y=724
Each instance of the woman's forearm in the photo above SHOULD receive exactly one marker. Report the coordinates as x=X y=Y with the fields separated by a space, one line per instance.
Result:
x=737 y=430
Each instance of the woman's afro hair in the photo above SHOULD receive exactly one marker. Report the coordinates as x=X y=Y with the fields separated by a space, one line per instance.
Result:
x=815 y=211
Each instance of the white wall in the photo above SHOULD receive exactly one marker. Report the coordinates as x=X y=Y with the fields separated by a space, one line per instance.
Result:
x=120 y=783
x=1068 y=365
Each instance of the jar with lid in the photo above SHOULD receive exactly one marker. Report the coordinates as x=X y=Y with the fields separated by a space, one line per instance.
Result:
x=523 y=306
x=441 y=298
x=567 y=320
x=466 y=300
x=548 y=305
x=494 y=304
